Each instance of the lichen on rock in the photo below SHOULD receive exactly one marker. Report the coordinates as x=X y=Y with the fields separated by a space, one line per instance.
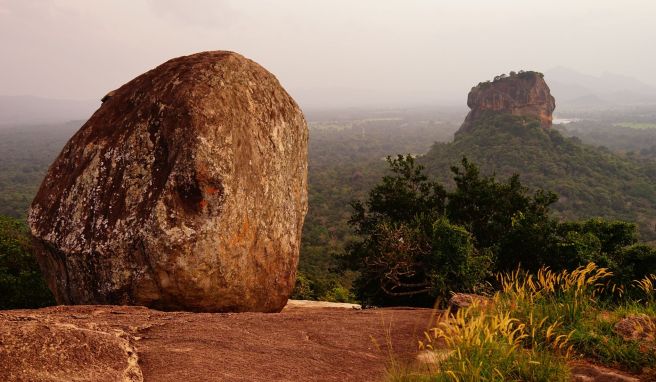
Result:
x=186 y=190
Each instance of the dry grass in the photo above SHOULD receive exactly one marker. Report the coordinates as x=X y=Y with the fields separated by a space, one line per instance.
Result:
x=534 y=326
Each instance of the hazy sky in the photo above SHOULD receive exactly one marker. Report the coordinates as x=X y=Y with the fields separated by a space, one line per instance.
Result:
x=330 y=53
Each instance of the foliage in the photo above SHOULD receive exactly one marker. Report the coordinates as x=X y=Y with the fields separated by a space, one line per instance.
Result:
x=410 y=253
x=346 y=151
x=346 y=159
x=521 y=74
x=630 y=133
x=303 y=288
x=21 y=283
x=333 y=292
x=590 y=181
x=635 y=262
x=502 y=216
x=419 y=241
x=338 y=294
x=594 y=338
x=400 y=198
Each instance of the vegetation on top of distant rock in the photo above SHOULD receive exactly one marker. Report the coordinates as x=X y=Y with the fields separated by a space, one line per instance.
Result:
x=521 y=74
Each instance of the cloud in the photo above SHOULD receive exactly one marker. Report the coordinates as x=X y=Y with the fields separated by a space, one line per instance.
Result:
x=368 y=50
x=199 y=13
x=30 y=9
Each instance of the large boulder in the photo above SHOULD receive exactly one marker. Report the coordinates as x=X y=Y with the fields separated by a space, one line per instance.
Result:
x=186 y=190
x=521 y=94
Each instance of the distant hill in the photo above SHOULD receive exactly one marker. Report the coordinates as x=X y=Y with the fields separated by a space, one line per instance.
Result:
x=575 y=90
x=590 y=181
x=28 y=110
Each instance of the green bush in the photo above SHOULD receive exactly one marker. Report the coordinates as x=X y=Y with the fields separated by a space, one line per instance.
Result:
x=338 y=294
x=303 y=288
x=503 y=217
x=634 y=262
x=21 y=283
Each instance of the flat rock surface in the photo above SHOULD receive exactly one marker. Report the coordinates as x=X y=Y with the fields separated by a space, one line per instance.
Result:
x=121 y=343
x=587 y=372
x=304 y=304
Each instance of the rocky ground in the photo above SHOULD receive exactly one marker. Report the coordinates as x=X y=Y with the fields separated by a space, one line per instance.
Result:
x=308 y=341
x=121 y=343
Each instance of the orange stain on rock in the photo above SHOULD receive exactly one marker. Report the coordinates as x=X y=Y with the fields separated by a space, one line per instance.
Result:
x=241 y=234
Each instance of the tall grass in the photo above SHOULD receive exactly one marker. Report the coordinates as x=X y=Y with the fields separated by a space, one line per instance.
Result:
x=533 y=326
x=647 y=287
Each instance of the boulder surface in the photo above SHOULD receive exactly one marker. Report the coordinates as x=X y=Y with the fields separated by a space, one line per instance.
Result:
x=133 y=344
x=186 y=190
x=521 y=94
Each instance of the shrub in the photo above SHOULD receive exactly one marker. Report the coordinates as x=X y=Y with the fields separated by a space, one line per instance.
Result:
x=634 y=262
x=338 y=294
x=303 y=288
x=21 y=283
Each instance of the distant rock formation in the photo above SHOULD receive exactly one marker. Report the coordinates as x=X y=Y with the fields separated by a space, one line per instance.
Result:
x=523 y=93
x=186 y=190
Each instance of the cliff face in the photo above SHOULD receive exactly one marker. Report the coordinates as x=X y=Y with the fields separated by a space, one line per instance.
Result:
x=523 y=94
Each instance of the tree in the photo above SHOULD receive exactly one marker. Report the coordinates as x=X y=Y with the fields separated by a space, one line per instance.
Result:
x=399 y=197
x=502 y=216
x=461 y=266
x=418 y=242
x=613 y=234
x=409 y=252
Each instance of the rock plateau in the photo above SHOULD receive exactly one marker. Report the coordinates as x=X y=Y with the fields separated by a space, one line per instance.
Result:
x=186 y=190
x=134 y=344
x=521 y=94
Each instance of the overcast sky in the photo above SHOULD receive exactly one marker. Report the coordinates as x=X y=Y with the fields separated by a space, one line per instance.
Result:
x=325 y=52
